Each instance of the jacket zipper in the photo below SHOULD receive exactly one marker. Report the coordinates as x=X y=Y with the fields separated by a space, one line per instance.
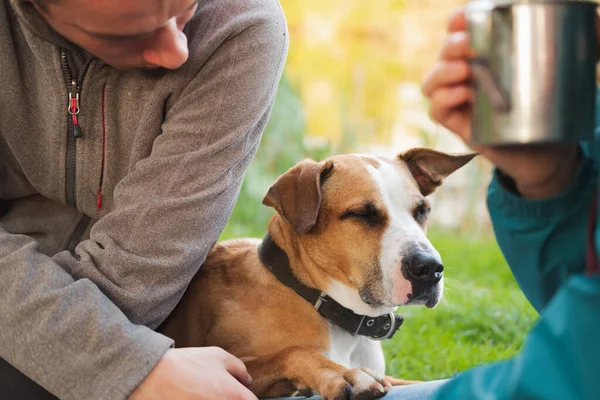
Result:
x=99 y=203
x=73 y=129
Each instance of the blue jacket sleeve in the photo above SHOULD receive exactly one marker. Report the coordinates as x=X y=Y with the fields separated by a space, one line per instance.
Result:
x=559 y=359
x=544 y=244
x=544 y=241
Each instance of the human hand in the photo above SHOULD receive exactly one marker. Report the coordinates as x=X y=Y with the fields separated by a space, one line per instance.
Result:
x=196 y=373
x=539 y=171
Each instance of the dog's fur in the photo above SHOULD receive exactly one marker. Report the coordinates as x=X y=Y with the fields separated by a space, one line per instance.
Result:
x=351 y=226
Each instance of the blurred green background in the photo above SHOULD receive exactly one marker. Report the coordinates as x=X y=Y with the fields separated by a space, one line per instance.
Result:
x=351 y=84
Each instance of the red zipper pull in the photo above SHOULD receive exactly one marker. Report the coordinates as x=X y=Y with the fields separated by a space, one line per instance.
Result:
x=74 y=109
x=99 y=204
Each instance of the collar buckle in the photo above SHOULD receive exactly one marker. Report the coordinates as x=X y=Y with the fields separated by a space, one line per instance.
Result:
x=391 y=330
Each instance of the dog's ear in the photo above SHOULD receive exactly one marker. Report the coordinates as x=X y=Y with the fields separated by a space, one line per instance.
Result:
x=296 y=195
x=430 y=167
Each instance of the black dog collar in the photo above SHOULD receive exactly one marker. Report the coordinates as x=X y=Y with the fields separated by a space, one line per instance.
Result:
x=378 y=328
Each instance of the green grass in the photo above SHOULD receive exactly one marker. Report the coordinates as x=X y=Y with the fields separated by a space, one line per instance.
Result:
x=482 y=318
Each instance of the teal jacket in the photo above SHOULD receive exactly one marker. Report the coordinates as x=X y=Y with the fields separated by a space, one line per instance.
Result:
x=544 y=243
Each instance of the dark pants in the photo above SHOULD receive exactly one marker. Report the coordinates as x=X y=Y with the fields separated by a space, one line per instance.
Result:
x=16 y=386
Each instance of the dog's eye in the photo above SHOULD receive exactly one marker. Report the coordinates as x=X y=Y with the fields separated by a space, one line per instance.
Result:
x=368 y=214
x=421 y=212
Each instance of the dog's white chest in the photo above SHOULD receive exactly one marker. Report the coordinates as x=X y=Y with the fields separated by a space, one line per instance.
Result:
x=355 y=351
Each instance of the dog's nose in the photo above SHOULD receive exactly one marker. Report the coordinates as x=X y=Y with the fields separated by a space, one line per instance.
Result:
x=424 y=268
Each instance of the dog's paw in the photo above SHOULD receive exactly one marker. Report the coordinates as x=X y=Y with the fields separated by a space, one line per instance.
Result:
x=357 y=384
x=366 y=384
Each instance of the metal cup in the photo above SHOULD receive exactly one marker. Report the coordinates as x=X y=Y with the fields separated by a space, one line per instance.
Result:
x=534 y=70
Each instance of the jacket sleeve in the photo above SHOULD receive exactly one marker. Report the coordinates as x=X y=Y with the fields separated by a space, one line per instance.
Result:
x=544 y=241
x=558 y=361
x=80 y=324
x=544 y=244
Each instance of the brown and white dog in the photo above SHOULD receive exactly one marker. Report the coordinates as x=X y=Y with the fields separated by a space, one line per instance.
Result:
x=304 y=307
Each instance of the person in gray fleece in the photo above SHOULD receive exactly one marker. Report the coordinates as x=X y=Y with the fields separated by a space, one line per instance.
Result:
x=126 y=128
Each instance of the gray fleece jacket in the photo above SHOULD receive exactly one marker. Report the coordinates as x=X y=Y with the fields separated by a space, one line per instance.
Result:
x=104 y=224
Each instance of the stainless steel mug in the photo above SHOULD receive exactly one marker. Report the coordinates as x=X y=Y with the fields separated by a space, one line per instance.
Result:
x=534 y=70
